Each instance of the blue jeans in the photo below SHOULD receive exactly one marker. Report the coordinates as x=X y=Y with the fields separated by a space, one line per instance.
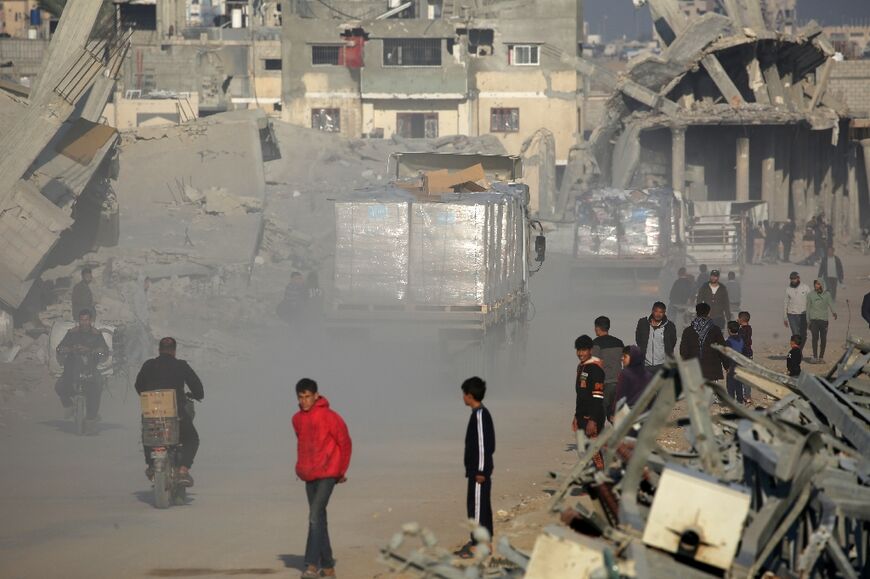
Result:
x=798 y=325
x=318 y=551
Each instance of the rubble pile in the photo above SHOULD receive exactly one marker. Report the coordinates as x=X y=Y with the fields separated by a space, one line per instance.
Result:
x=781 y=491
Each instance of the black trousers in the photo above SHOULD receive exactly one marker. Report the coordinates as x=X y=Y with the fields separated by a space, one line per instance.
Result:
x=479 y=504
x=65 y=388
x=831 y=284
x=819 y=331
x=188 y=437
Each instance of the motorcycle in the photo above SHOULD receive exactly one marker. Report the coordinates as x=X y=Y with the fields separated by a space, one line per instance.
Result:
x=86 y=375
x=161 y=435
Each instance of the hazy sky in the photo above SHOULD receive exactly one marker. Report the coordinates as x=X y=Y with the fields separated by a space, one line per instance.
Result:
x=623 y=18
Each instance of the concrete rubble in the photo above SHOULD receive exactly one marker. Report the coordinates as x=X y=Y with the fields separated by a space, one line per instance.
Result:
x=779 y=491
x=761 y=95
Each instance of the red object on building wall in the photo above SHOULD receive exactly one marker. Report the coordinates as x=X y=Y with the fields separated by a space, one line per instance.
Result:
x=352 y=55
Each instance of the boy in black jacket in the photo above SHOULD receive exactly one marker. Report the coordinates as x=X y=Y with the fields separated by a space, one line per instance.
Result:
x=589 y=410
x=479 y=448
x=795 y=357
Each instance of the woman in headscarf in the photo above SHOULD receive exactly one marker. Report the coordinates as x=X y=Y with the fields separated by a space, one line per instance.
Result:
x=633 y=379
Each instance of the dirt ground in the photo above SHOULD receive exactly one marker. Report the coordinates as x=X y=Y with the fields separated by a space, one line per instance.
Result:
x=80 y=506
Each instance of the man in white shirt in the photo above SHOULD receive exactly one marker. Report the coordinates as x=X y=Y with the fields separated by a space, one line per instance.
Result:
x=796 y=307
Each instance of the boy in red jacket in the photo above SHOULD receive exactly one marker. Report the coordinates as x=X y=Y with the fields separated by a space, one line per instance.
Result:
x=323 y=455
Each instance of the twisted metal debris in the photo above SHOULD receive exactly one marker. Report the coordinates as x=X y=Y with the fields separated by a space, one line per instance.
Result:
x=780 y=491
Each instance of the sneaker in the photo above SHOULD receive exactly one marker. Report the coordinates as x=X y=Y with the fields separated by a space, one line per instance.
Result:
x=466 y=551
x=328 y=572
x=184 y=478
x=310 y=573
x=149 y=473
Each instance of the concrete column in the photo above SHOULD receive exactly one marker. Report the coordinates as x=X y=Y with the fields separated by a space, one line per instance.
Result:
x=799 y=178
x=827 y=190
x=678 y=159
x=783 y=160
x=768 y=172
x=742 y=193
x=854 y=217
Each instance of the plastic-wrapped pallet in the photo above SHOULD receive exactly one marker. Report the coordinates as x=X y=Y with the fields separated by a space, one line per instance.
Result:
x=641 y=226
x=371 y=251
x=449 y=253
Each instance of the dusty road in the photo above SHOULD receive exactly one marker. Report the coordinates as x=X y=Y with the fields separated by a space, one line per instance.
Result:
x=80 y=506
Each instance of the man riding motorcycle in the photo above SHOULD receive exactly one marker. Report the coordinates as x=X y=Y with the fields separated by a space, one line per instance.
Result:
x=166 y=372
x=80 y=352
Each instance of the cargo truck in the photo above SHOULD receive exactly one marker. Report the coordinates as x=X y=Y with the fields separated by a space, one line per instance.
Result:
x=640 y=238
x=453 y=267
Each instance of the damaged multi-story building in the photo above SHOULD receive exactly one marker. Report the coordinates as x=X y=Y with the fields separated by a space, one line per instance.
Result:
x=429 y=68
x=731 y=111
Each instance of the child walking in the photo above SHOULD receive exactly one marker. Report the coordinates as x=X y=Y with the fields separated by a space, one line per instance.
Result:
x=479 y=448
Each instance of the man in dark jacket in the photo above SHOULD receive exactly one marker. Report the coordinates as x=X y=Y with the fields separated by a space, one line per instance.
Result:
x=166 y=372
x=656 y=337
x=82 y=348
x=323 y=451
x=82 y=296
x=787 y=237
x=697 y=341
x=479 y=448
x=715 y=294
x=682 y=293
x=589 y=410
x=831 y=272
x=609 y=350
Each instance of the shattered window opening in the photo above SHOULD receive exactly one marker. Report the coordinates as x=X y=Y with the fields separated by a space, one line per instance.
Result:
x=524 y=55
x=480 y=41
x=417 y=125
x=326 y=55
x=412 y=52
x=327 y=120
x=271 y=64
x=504 y=120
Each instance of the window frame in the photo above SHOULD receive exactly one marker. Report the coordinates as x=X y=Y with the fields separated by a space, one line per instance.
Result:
x=339 y=56
x=493 y=111
x=426 y=117
x=315 y=111
x=396 y=42
x=512 y=55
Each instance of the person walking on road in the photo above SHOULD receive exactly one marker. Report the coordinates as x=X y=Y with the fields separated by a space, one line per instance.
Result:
x=819 y=304
x=589 y=410
x=609 y=350
x=323 y=457
x=715 y=294
x=795 y=307
x=831 y=272
x=656 y=337
x=697 y=342
x=479 y=448
x=83 y=297
x=682 y=292
x=787 y=238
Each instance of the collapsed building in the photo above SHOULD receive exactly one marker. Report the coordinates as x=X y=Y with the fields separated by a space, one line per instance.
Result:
x=56 y=158
x=729 y=111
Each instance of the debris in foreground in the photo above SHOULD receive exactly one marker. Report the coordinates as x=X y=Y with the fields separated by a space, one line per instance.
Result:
x=781 y=491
